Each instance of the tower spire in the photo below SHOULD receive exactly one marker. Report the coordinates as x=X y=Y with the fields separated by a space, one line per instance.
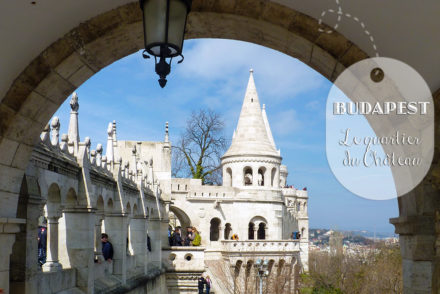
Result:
x=251 y=135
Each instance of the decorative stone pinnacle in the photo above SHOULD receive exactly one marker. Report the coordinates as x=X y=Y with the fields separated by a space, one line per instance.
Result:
x=74 y=102
x=251 y=70
x=134 y=150
x=264 y=106
x=99 y=148
x=87 y=142
x=110 y=129
x=166 y=133
x=55 y=124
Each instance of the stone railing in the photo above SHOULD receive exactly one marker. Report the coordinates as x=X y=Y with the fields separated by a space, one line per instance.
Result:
x=264 y=246
x=184 y=258
x=211 y=193
x=294 y=192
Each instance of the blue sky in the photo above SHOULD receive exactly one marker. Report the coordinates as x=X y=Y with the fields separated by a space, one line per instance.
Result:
x=214 y=75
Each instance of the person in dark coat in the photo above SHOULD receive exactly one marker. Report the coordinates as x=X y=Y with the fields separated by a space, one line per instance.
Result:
x=201 y=284
x=177 y=239
x=42 y=244
x=107 y=248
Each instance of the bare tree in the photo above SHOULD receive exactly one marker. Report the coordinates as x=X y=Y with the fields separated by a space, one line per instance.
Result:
x=198 y=151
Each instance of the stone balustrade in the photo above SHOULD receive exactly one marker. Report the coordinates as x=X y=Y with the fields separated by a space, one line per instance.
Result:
x=261 y=246
x=184 y=258
x=294 y=192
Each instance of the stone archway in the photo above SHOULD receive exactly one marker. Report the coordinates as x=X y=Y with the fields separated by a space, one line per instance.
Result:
x=47 y=81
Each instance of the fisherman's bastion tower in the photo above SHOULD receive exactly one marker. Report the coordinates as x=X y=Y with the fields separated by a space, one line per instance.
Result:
x=77 y=192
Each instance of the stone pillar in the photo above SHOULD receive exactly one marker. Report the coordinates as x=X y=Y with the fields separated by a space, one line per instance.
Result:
x=155 y=257
x=98 y=230
x=267 y=176
x=254 y=176
x=34 y=211
x=276 y=183
x=417 y=246
x=8 y=229
x=52 y=262
x=79 y=245
x=116 y=226
x=138 y=240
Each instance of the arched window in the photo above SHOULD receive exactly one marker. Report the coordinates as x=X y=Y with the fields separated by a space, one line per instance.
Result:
x=228 y=230
x=303 y=230
x=261 y=233
x=251 y=230
x=298 y=206
x=247 y=176
x=261 y=172
x=214 y=233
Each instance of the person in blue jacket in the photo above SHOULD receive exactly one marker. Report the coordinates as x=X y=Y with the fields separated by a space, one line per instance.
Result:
x=107 y=248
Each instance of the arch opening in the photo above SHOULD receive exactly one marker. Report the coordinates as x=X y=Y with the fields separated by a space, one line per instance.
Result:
x=214 y=229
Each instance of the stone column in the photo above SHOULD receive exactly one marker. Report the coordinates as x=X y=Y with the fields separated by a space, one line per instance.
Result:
x=34 y=211
x=267 y=176
x=79 y=245
x=156 y=244
x=417 y=246
x=138 y=240
x=8 y=229
x=276 y=183
x=254 y=176
x=116 y=226
x=98 y=230
x=52 y=263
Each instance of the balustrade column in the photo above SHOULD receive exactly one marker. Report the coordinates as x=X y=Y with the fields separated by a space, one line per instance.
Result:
x=52 y=262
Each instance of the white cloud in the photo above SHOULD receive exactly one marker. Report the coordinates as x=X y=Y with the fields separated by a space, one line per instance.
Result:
x=227 y=61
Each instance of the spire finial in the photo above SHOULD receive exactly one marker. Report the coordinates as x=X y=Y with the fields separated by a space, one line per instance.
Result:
x=166 y=133
x=74 y=105
x=264 y=106
x=251 y=70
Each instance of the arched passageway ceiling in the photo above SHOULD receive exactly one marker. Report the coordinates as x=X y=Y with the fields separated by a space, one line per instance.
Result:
x=404 y=30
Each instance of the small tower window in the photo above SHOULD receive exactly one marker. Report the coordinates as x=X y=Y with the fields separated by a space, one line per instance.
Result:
x=248 y=176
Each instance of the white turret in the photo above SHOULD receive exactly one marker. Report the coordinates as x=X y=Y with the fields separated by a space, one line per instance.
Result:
x=252 y=159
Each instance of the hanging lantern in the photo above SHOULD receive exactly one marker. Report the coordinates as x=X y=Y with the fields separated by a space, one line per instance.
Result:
x=164 y=30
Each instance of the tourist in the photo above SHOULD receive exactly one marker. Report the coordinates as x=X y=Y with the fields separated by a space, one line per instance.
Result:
x=201 y=284
x=177 y=239
x=234 y=237
x=197 y=238
x=208 y=284
x=189 y=236
x=42 y=243
x=107 y=248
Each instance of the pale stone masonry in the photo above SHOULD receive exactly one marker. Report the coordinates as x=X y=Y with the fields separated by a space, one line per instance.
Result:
x=126 y=191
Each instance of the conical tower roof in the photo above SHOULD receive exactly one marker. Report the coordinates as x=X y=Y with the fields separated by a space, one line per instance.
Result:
x=251 y=135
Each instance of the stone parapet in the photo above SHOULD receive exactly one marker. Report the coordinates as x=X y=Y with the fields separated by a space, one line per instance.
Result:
x=250 y=247
x=184 y=259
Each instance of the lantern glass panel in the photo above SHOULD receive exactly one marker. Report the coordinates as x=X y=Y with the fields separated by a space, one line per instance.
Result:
x=176 y=28
x=155 y=12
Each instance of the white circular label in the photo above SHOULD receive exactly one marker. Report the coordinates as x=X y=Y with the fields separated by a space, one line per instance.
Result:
x=380 y=128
